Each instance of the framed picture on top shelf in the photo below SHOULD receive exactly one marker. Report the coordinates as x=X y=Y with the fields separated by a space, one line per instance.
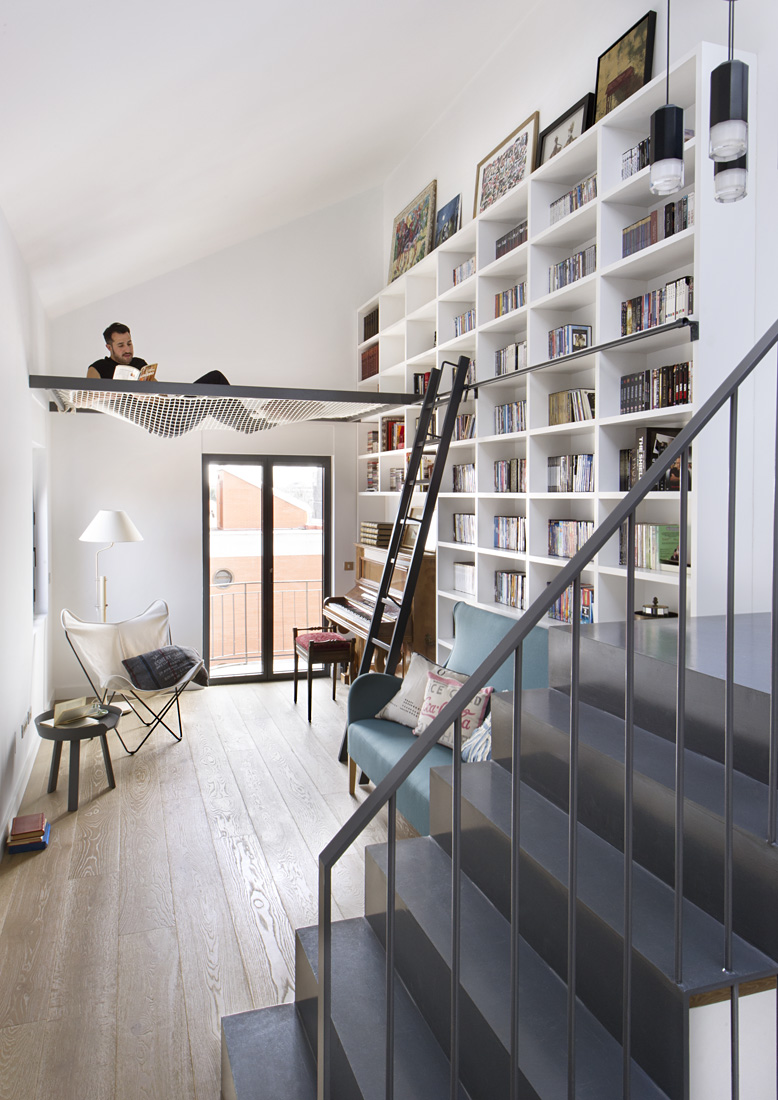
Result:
x=448 y=220
x=625 y=66
x=413 y=232
x=506 y=166
x=566 y=129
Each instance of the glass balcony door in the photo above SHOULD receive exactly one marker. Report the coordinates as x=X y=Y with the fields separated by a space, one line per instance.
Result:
x=266 y=525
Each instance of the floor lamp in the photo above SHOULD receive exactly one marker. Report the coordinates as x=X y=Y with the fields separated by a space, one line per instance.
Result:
x=108 y=527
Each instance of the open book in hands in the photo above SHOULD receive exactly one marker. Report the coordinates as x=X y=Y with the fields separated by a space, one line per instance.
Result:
x=135 y=374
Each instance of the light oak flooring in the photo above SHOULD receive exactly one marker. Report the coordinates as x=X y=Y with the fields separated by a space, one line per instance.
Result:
x=171 y=901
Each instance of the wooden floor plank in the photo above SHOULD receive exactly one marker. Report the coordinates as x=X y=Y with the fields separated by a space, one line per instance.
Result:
x=85 y=970
x=20 y=1055
x=78 y=1059
x=153 y=1060
x=146 y=898
x=96 y=845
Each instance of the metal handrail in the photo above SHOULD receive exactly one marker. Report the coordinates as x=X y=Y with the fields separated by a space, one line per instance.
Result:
x=570 y=574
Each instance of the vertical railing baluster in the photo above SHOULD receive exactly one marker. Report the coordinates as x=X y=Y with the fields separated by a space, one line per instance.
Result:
x=772 y=773
x=572 y=843
x=391 y=883
x=324 y=1021
x=456 y=904
x=734 y=1030
x=629 y=775
x=245 y=623
x=515 y=863
x=729 y=702
x=680 y=717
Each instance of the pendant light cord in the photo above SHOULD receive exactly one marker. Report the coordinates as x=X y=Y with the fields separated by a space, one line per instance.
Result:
x=667 y=77
x=731 y=39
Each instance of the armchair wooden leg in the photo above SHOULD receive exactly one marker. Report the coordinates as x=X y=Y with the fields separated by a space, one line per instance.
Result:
x=310 y=686
x=352 y=776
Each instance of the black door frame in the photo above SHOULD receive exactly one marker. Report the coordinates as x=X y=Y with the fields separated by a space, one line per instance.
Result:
x=267 y=462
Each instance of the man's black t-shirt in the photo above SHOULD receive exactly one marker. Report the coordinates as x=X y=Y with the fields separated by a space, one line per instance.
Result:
x=106 y=367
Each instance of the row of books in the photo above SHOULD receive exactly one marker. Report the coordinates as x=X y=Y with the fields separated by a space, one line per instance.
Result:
x=514 y=357
x=375 y=533
x=372 y=442
x=679 y=215
x=567 y=536
x=582 y=193
x=420 y=381
x=573 y=268
x=656 y=545
x=658 y=307
x=464 y=271
x=393 y=434
x=29 y=833
x=571 y=473
x=510 y=240
x=510 y=475
x=650 y=442
x=370 y=324
x=464 y=577
x=396 y=478
x=562 y=610
x=510 y=417
x=464 y=426
x=510 y=299
x=657 y=388
x=464 y=322
x=463 y=476
x=634 y=160
x=370 y=361
x=371 y=476
x=568 y=339
x=569 y=406
x=510 y=533
x=464 y=527
x=510 y=588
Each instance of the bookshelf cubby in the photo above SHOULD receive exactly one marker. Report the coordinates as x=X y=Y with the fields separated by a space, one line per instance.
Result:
x=417 y=317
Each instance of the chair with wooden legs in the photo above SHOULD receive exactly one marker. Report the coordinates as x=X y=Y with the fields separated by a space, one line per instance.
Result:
x=318 y=646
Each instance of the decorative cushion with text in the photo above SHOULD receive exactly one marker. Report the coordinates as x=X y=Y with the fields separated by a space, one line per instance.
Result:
x=441 y=690
x=160 y=668
x=404 y=707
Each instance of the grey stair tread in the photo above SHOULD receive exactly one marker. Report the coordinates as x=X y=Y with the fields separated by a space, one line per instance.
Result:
x=423 y=882
x=358 y=1015
x=268 y=1056
x=544 y=836
x=655 y=758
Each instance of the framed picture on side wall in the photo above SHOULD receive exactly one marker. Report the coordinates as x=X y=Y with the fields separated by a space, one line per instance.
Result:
x=625 y=66
x=565 y=129
x=413 y=232
x=506 y=166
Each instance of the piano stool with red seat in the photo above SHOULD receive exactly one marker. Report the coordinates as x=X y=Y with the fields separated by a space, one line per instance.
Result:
x=318 y=646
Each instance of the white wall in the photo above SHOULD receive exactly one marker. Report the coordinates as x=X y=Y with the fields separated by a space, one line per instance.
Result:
x=278 y=310
x=23 y=424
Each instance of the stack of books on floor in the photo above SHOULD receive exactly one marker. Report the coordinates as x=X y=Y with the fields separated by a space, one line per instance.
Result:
x=29 y=833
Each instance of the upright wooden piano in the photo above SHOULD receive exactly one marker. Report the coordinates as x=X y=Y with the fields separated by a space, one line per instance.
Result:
x=354 y=611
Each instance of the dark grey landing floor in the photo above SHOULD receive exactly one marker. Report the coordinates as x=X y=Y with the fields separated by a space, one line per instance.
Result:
x=705 y=645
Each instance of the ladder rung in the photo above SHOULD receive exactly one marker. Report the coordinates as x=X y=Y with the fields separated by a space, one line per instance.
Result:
x=380 y=644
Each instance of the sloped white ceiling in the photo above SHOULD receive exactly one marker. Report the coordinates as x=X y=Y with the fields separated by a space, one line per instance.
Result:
x=139 y=135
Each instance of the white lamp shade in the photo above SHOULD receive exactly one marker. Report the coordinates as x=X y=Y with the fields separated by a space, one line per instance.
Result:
x=111 y=526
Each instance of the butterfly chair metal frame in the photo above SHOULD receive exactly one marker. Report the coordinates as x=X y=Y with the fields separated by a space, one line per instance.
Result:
x=100 y=648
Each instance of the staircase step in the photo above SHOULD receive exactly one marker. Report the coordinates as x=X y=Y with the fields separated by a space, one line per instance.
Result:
x=545 y=753
x=358 y=1018
x=602 y=680
x=423 y=946
x=659 y=1004
x=265 y=1055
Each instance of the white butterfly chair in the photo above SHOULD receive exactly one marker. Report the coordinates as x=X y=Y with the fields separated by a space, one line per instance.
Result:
x=100 y=649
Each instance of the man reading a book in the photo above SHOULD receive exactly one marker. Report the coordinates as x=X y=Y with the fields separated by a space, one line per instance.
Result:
x=118 y=341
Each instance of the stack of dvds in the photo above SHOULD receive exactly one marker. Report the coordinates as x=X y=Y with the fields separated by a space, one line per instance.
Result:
x=510 y=475
x=510 y=588
x=582 y=193
x=464 y=271
x=568 y=339
x=464 y=577
x=510 y=299
x=571 y=473
x=510 y=417
x=570 y=270
x=464 y=477
x=512 y=358
x=464 y=527
x=510 y=240
x=562 y=610
x=510 y=533
x=567 y=536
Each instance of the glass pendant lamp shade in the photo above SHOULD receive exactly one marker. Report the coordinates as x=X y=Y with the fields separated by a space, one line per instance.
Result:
x=666 y=174
x=729 y=111
x=729 y=180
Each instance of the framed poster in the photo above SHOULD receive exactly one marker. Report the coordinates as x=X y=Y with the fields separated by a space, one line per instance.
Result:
x=625 y=66
x=566 y=129
x=447 y=221
x=413 y=232
x=507 y=165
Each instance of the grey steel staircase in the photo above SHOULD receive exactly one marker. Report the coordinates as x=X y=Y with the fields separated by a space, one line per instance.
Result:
x=579 y=895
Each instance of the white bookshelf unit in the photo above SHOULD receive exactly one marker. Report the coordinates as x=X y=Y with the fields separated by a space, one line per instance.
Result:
x=420 y=311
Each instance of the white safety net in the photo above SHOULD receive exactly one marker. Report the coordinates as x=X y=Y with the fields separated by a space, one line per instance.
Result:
x=171 y=415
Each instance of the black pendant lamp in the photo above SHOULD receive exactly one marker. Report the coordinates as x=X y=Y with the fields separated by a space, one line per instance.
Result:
x=666 y=140
x=729 y=180
x=729 y=103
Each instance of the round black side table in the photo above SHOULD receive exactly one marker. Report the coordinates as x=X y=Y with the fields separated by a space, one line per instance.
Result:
x=75 y=733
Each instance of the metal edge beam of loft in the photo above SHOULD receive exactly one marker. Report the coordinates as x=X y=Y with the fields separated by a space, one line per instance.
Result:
x=380 y=399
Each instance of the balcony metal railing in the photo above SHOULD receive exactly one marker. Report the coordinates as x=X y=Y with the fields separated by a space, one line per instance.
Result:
x=235 y=636
x=511 y=646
